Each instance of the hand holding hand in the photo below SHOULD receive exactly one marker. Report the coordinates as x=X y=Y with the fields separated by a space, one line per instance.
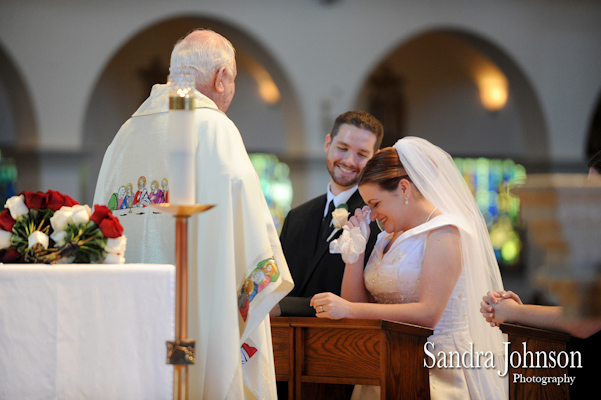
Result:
x=328 y=305
x=497 y=307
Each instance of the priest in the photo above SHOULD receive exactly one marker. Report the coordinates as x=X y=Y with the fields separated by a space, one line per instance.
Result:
x=238 y=271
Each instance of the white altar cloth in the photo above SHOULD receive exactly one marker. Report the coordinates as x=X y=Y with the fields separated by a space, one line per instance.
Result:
x=82 y=331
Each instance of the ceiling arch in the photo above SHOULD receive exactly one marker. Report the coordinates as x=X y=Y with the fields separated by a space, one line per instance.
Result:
x=428 y=86
x=143 y=60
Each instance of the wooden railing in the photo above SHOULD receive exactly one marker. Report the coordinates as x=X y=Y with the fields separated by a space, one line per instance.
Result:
x=311 y=354
x=317 y=357
x=526 y=383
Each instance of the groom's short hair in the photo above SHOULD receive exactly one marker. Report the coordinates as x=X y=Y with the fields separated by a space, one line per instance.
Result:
x=362 y=120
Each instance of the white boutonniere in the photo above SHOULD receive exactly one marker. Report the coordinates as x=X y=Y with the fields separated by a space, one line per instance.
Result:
x=339 y=218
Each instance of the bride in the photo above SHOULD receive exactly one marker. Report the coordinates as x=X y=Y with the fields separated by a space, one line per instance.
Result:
x=428 y=268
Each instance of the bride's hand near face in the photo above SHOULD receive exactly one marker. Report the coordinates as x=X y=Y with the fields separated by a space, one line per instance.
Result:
x=357 y=220
x=353 y=288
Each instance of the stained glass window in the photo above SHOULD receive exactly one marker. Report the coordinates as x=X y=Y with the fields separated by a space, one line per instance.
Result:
x=8 y=179
x=275 y=184
x=490 y=181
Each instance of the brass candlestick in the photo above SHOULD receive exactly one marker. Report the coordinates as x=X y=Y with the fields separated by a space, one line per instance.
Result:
x=180 y=352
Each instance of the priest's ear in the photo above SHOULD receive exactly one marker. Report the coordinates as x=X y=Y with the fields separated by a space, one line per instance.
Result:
x=218 y=84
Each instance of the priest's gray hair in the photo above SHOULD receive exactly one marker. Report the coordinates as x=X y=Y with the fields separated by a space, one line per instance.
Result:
x=201 y=53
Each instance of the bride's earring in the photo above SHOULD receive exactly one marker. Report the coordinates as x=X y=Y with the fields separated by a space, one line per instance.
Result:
x=406 y=201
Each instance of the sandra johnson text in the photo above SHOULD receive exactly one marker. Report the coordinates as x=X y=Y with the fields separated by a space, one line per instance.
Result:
x=515 y=359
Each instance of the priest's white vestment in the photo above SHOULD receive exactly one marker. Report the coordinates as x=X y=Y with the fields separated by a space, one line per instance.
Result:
x=237 y=268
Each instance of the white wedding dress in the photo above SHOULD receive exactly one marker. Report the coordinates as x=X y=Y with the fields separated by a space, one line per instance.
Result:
x=394 y=277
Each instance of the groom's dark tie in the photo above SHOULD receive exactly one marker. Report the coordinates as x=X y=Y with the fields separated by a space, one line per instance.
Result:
x=327 y=220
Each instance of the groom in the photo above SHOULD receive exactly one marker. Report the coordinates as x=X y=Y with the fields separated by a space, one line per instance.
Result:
x=307 y=230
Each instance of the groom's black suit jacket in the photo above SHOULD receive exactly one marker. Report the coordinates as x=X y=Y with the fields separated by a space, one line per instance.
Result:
x=314 y=270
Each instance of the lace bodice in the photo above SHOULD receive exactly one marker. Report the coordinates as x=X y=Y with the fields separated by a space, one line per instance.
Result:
x=394 y=277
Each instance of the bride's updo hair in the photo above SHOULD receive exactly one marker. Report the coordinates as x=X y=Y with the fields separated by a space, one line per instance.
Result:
x=384 y=169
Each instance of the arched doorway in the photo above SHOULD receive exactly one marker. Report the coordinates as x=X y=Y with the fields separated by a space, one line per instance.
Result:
x=268 y=124
x=18 y=131
x=429 y=86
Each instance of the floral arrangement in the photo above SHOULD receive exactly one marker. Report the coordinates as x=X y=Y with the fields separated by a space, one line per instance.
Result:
x=38 y=227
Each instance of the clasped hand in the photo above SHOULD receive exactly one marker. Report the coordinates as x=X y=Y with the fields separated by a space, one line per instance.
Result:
x=496 y=307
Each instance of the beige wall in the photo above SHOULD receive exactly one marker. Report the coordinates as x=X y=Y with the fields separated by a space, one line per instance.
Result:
x=321 y=53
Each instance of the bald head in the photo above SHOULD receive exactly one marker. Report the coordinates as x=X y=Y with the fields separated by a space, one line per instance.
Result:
x=211 y=59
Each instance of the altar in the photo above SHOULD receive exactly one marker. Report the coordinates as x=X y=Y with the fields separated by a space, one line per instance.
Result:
x=86 y=331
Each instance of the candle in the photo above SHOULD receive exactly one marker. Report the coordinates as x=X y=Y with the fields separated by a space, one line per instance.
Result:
x=181 y=140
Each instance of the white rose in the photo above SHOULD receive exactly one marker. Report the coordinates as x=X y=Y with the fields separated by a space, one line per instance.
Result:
x=5 y=239
x=61 y=218
x=38 y=237
x=81 y=214
x=112 y=258
x=16 y=206
x=340 y=217
x=116 y=245
x=59 y=237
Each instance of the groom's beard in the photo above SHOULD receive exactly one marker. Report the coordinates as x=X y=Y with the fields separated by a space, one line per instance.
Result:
x=343 y=175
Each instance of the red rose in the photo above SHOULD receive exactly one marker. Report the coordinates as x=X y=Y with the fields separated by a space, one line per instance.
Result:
x=11 y=256
x=6 y=221
x=100 y=213
x=55 y=200
x=110 y=227
x=35 y=199
x=108 y=224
